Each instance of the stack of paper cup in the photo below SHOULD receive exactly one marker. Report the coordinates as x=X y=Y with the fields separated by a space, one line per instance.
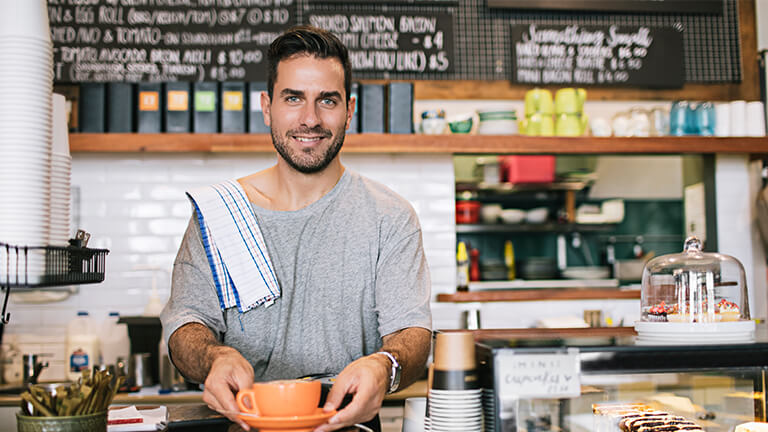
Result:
x=755 y=119
x=26 y=82
x=738 y=109
x=454 y=401
x=61 y=169
x=722 y=120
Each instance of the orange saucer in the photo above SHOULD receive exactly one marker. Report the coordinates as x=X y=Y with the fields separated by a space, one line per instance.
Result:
x=305 y=423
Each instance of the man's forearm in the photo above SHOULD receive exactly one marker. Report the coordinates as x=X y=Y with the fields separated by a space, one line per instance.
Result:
x=411 y=348
x=193 y=348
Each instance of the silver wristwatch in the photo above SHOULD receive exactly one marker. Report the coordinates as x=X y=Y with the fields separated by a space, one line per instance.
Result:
x=397 y=370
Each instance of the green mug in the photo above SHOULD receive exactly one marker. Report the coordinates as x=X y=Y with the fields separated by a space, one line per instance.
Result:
x=570 y=100
x=538 y=100
x=571 y=125
x=537 y=124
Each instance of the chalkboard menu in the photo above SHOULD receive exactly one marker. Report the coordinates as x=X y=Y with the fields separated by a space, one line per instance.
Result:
x=388 y=42
x=165 y=40
x=638 y=56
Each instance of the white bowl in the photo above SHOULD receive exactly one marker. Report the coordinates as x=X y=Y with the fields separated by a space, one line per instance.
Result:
x=497 y=127
x=537 y=215
x=490 y=213
x=512 y=216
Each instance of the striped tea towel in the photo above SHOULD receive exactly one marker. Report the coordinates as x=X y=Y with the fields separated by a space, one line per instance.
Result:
x=242 y=271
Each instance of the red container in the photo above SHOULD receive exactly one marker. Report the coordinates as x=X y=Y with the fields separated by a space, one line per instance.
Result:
x=527 y=169
x=467 y=212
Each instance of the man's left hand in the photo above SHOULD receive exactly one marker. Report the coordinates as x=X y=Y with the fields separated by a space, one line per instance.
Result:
x=367 y=380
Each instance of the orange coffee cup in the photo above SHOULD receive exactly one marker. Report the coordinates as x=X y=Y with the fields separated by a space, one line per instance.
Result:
x=284 y=398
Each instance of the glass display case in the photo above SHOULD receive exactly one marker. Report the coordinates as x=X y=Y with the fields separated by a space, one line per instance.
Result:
x=592 y=385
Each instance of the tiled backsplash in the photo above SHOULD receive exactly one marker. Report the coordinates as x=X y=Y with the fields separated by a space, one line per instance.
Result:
x=135 y=206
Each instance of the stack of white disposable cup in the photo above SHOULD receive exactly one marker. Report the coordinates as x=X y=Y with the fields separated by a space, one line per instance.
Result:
x=26 y=82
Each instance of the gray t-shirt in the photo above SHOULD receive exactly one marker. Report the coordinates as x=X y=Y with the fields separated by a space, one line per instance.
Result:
x=351 y=269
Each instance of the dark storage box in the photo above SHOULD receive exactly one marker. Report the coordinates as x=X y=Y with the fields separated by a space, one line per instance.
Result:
x=178 y=116
x=255 y=115
x=372 y=109
x=121 y=104
x=400 y=106
x=149 y=101
x=206 y=107
x=92 y=105
x=233 y=104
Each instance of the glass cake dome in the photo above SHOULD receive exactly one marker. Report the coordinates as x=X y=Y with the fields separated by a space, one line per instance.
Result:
x=694 y=287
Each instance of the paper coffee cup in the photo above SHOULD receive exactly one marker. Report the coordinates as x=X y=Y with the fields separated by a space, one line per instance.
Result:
x=455 y=351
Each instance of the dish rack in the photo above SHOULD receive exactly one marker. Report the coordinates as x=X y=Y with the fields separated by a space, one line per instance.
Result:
x=48 y=266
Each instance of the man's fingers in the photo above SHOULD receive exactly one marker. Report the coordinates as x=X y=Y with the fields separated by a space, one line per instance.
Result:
x=336 y=395
x=220 y=398
x=349 y=413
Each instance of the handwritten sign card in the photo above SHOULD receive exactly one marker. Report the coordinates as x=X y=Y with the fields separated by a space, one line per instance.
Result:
x=545 y=375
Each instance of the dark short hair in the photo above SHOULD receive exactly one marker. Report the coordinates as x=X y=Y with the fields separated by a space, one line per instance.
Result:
x=311 y=41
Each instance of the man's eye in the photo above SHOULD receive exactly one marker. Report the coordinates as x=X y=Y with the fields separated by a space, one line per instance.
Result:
x=292 y=99
x=328 y=101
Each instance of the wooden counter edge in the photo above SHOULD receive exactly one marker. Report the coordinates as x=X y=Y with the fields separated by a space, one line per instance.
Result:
x=419 y=388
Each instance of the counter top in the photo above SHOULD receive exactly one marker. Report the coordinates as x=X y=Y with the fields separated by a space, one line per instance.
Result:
x=151 y=397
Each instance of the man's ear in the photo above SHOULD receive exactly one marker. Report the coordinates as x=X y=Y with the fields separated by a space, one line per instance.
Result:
x=266 y=107
x=350 y=110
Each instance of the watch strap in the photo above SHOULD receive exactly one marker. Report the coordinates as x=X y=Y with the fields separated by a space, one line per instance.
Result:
x=394 y=377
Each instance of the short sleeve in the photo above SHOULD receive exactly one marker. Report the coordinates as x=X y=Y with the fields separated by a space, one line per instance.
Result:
x=403 y=286
x=193 y=295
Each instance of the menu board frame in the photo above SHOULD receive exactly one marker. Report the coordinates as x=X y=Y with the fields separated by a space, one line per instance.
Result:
x=593 y=55
x=652 y=6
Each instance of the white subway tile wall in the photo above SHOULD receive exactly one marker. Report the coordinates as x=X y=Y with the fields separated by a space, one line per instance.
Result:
x=135 y=206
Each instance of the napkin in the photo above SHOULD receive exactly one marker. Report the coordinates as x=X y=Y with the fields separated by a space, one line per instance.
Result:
x=133 y=419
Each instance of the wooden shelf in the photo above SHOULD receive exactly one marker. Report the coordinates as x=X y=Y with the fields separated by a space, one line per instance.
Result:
x=523 y=227
x=416 y=143
x=538 y=295
x=550 y=333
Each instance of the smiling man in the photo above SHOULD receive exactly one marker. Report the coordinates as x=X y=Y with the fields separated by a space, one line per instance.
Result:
x=350 y=295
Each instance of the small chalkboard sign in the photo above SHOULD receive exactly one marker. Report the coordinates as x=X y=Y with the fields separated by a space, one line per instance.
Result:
x=183 y=40
x=393 y=42
x=637 y=56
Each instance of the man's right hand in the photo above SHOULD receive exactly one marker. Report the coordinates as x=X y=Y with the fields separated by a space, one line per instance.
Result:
x=230 y=372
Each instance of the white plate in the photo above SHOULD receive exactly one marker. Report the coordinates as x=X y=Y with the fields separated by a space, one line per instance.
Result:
x=694 y=328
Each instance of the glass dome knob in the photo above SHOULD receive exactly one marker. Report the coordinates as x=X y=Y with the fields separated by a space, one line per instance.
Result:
x=692 y=245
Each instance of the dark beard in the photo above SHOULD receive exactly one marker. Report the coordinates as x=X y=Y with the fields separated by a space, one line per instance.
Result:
x=317 y=163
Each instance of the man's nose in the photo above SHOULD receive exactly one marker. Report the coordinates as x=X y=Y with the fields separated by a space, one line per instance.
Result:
x=309 y=116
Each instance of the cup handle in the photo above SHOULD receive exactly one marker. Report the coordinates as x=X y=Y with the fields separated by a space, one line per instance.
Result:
x=241 y=399
x=584 y=124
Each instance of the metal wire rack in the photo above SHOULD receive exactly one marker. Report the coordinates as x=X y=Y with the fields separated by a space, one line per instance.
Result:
x=48 y=266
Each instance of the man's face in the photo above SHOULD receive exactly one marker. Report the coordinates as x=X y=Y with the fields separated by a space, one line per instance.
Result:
x=308 y=112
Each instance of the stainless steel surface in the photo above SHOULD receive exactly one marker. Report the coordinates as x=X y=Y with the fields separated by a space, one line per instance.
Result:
x=139 y=372
x=470 y=319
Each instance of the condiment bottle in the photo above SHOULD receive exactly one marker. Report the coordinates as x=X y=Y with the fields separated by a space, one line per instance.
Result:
x=462 y=268
x=509 y=259
x=474 y=265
